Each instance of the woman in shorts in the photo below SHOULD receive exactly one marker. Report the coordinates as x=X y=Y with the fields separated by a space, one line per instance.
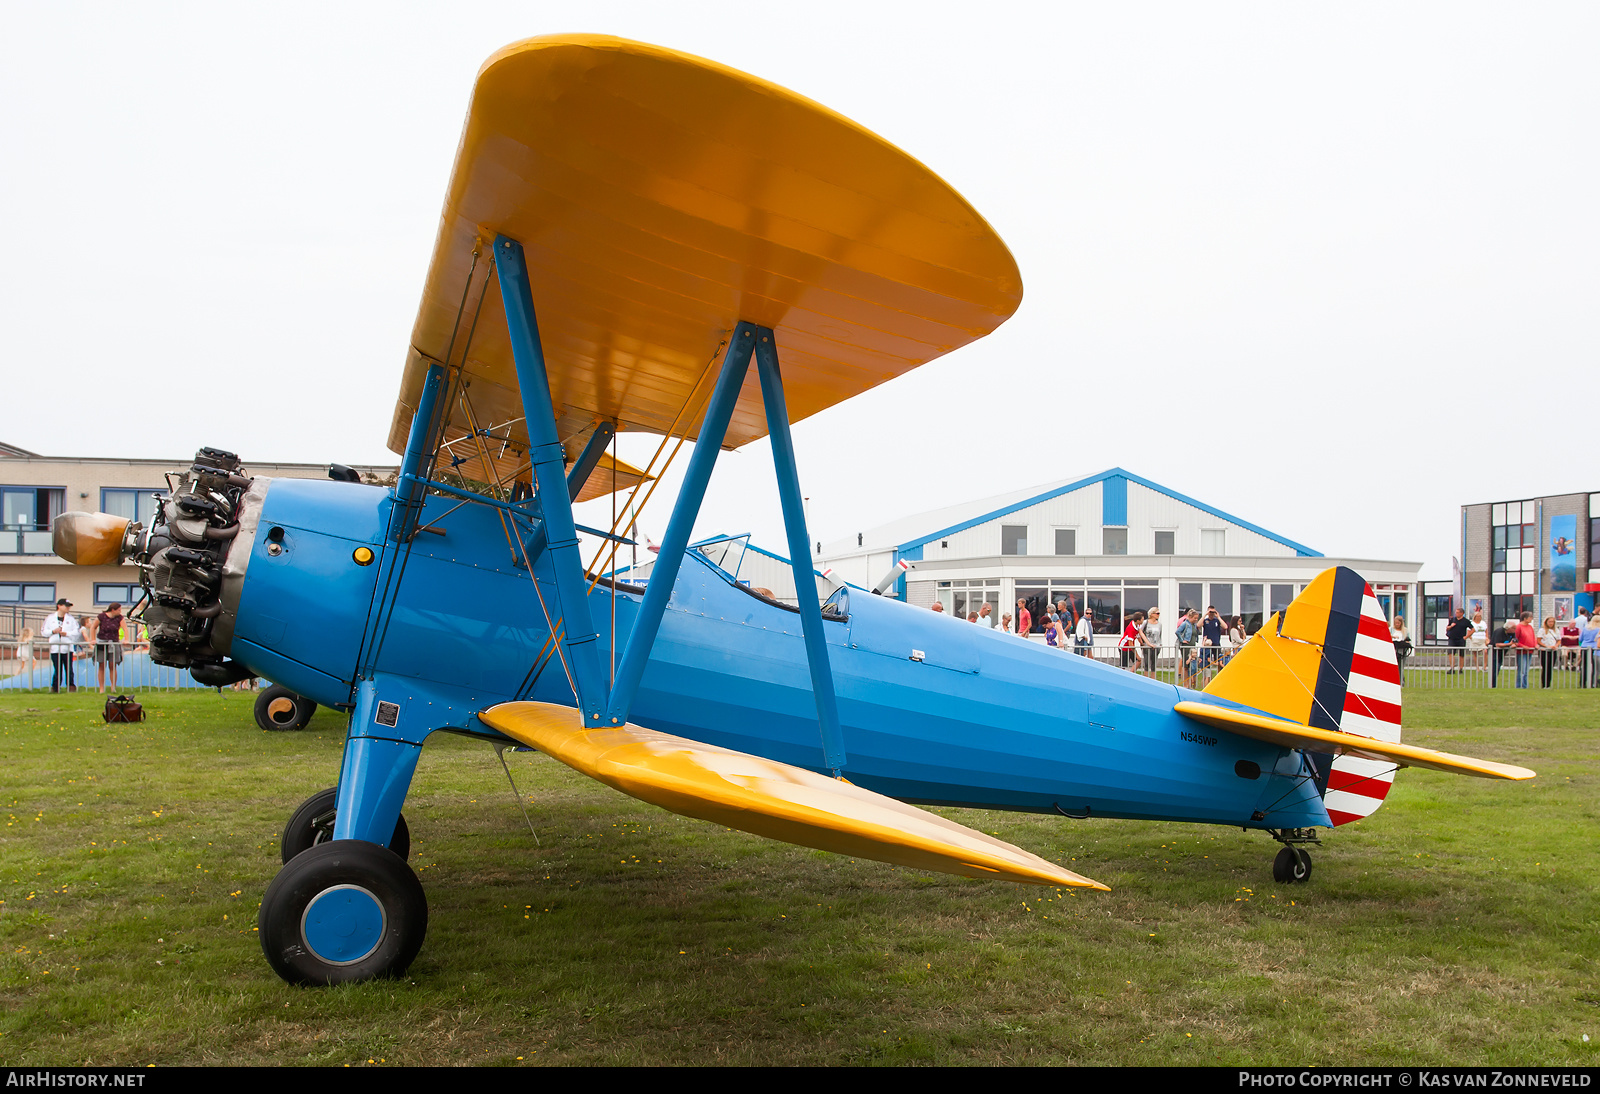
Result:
x=108 y=645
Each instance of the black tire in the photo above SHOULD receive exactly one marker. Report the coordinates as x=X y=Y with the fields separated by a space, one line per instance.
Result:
x=278 y=708
x=1292 y=866
x=357 y=901
x=312 y=824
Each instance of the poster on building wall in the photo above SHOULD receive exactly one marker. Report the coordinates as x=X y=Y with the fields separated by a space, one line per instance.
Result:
x=1564 y=554
x=1563 y=611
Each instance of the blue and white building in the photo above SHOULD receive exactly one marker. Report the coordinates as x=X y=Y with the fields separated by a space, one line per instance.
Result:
x=1113 y=542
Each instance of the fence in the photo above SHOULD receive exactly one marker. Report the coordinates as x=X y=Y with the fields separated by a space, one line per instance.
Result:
x=1431 y=667
x=28 y=666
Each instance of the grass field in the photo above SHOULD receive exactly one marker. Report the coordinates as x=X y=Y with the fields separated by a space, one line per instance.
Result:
x=1459 y=925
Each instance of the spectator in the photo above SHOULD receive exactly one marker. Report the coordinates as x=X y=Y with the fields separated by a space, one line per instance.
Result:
x=1588 y=653
x=25 y=654
x=1005 y=623
x=1478 y=637
x=1570 y=634
x=1549 y=647
x=985 y=616
x=1402 y=644
x=1065 y=616
x=1236 y=634
x=1151 y=633
x=1052 y=632
x=108 y=645
x=1456 y=638
x=1083 y=635
x=1526 y=642
x=1505 y=636
x=1024 y=618
x=938 y=607
x=64 y=634
x=1212 y=629
x=1129 y=644
x=1186 y=634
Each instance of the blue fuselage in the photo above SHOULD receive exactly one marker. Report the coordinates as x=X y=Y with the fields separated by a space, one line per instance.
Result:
x=933 y=710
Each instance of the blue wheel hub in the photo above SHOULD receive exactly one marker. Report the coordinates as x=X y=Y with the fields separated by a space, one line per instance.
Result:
x=343 y=924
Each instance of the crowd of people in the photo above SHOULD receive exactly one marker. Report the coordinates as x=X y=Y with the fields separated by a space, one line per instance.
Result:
x=1573 y=645
x=1203 y=643
x=65 y=639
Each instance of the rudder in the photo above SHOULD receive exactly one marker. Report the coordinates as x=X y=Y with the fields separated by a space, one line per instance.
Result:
x=1327 y=661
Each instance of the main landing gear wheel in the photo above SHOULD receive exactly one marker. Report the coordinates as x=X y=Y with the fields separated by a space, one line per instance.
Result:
x=343 y=911
x=312 y=824
x=278 y=708
x=1293 y=865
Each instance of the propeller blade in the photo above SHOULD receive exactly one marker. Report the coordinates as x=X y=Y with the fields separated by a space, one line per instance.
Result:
x=89 y=539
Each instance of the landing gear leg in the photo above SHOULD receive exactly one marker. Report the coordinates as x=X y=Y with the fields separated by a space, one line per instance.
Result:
x=349 y=908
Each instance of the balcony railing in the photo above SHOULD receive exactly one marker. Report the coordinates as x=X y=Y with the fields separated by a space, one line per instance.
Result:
x=24 y=539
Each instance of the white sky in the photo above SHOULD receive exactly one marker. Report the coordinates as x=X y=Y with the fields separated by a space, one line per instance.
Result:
x=1331 y=268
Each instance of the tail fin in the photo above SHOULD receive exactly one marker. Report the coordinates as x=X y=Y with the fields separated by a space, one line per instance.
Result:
x=1327 y=662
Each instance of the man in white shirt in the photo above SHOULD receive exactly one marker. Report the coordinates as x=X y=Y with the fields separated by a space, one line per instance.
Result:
x=63 y=632
x=1083 y=635
x=983 y=615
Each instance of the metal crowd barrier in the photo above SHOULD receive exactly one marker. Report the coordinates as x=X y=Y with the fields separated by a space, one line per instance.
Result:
x=29 y=667
x=1434 y=667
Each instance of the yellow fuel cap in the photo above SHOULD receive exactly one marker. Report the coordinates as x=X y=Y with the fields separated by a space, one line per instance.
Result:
x=363 y=556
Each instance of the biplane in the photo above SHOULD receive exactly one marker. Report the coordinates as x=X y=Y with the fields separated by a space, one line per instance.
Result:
x=634 y=239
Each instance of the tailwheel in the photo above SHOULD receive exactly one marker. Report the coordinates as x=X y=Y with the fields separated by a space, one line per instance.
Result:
x=343 y=911
x=1293 y=865
x=312 y=824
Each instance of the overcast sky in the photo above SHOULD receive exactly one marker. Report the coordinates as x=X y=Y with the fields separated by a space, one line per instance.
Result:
x=1331 y=268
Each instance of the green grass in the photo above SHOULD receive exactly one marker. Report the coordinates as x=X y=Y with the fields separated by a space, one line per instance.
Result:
x=1459 y=925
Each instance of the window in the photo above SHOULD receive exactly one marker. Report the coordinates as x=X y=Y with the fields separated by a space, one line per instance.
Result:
x=1115 y=541
x=25 y=516
x=1166 y=542
x=1250 y=607
x=139 y=505
x=42 y=592
x=1513 y=561
x=962 y=598
x=115 y=594
x=1056 y=596
x=1066 y=541
x=1214 y=541
x=1013 y=539
x=1281 y=597
x=1190 y=596
x=1221 y=599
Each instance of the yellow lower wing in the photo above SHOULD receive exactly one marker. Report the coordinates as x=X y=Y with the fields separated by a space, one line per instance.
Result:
x=770 y=799
x=1293 y=735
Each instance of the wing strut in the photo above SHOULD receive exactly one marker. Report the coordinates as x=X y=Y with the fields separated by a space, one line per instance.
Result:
x=735 y=363
x=794 y=522
x=549 y=473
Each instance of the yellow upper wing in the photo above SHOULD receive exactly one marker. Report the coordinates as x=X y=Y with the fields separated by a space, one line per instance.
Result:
x=661 y=198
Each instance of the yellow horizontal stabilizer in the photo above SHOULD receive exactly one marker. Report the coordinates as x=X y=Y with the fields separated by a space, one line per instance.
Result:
x=1292 y=735
x=662 y=198
x=769 y=798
